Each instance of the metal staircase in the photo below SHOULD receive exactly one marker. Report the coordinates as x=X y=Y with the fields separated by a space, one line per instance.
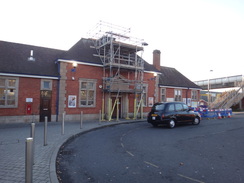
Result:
x=230 y=98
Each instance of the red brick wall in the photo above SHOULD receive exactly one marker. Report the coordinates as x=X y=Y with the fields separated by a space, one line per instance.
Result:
x=170 y=93
x=94 y=72
x=29 y=88
x=72 y=87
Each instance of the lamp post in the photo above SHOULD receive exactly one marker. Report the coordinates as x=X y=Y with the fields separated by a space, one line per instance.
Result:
x=209 y=99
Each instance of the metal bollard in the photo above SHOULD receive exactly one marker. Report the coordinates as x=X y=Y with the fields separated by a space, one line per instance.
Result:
x=100 y=117
x=62 y=131
x=45 y=131
x=32 y=135
x=28 y=160
x=81 y=119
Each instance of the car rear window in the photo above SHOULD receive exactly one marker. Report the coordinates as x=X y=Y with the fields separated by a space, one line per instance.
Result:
x=158 y=107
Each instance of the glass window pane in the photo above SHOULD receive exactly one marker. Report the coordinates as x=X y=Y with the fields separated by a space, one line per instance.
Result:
x=89 y=85
x=91 y=95
x=83 y=102
x=2 y=93
x=46 y=84
x=83 y=85
x=11 y=82
x=2 y=82
x=178 y=107
x=171 y=107
x=2 y=97
x=90 y=102
x=83 y=95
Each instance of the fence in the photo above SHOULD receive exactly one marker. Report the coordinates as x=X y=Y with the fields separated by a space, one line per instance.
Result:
x=214 y=113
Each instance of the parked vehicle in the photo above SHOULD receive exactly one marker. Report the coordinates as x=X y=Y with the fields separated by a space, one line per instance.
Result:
x=171 y=113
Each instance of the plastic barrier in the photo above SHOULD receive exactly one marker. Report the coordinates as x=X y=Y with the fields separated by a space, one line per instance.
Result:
x=214 y=114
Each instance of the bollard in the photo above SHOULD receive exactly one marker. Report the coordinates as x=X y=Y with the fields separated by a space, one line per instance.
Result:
x=100 y=117
x=32 y=135
x=81 y=119
x=62 y=132
x=28 y=160
x=45 y=131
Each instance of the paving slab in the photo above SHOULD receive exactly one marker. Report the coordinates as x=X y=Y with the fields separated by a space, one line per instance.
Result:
x=12 y=147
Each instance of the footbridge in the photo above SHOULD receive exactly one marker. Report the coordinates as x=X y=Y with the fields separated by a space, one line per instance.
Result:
x=220 y=83
x=226 y=99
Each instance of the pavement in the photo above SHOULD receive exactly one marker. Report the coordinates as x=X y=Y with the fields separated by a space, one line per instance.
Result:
x=13 y=145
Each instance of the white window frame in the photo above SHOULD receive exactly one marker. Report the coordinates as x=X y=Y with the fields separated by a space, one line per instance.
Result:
x=194 y=95
x=6 y=88
x=163 y=95
x=94 y=81
x=178 y=95
x=43 y=86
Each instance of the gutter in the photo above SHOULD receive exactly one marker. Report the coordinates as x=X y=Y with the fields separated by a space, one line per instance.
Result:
x=79 y=62
x=29 y=76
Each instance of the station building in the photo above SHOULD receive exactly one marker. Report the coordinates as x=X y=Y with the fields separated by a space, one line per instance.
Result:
x=102 y=78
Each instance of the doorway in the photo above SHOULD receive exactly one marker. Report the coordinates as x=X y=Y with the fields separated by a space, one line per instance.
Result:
x=114 y=115
x=45 y=105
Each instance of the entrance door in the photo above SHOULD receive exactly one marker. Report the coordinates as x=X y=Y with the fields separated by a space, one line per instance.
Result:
x=114 y=115
x=45 y=105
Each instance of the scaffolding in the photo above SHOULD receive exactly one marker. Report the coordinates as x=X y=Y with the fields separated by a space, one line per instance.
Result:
x=123 y=69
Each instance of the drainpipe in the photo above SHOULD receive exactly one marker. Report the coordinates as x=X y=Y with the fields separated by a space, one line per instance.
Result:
x=58 y=88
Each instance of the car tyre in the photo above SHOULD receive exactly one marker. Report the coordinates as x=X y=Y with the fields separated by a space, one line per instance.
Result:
x=196 y=121
x=172 y=123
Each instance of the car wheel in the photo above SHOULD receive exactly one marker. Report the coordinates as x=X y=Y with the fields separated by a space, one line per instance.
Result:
x=172 y=123
x=196 y=121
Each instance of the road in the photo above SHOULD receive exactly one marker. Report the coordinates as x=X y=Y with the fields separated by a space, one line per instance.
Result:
x=207 y=153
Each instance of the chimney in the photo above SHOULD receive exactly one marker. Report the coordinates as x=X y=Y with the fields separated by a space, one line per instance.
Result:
x=156 y=59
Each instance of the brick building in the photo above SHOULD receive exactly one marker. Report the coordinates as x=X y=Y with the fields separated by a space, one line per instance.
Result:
x=102 y=78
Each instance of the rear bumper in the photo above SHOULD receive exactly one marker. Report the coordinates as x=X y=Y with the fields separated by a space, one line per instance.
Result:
x=166 y=121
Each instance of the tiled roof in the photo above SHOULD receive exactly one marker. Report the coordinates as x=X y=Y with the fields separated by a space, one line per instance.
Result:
x=14 y=59
x=83 y=51
x=173 y=78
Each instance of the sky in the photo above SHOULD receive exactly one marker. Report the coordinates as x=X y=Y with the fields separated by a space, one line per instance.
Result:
x=194 y=36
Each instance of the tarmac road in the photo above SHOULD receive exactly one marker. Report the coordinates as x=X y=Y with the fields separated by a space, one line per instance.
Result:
x=210 y=152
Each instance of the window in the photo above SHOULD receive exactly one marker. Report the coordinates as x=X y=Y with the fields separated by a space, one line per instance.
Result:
x=163 y=94
x=87 y=92
x=194 y=94
x=8 y=92
x=177 y=95
x=46 y=85
x=171 y=108
x=185 y=107
x=178 y=107
x=143 y=96
x=159 y=107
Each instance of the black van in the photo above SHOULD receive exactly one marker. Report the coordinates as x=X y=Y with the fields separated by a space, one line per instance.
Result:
x=171 y=113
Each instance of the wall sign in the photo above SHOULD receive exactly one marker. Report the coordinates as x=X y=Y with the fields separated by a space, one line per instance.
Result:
x=72 y=101
x=150 y=101
x=29 y=99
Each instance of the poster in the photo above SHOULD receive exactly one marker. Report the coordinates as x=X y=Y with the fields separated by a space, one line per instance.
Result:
x=150 y=101
x=72 y=101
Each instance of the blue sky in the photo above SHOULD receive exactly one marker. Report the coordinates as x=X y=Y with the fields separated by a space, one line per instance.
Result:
x=194 y=36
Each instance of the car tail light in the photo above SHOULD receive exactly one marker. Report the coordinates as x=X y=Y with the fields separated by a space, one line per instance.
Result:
x=162 y=115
